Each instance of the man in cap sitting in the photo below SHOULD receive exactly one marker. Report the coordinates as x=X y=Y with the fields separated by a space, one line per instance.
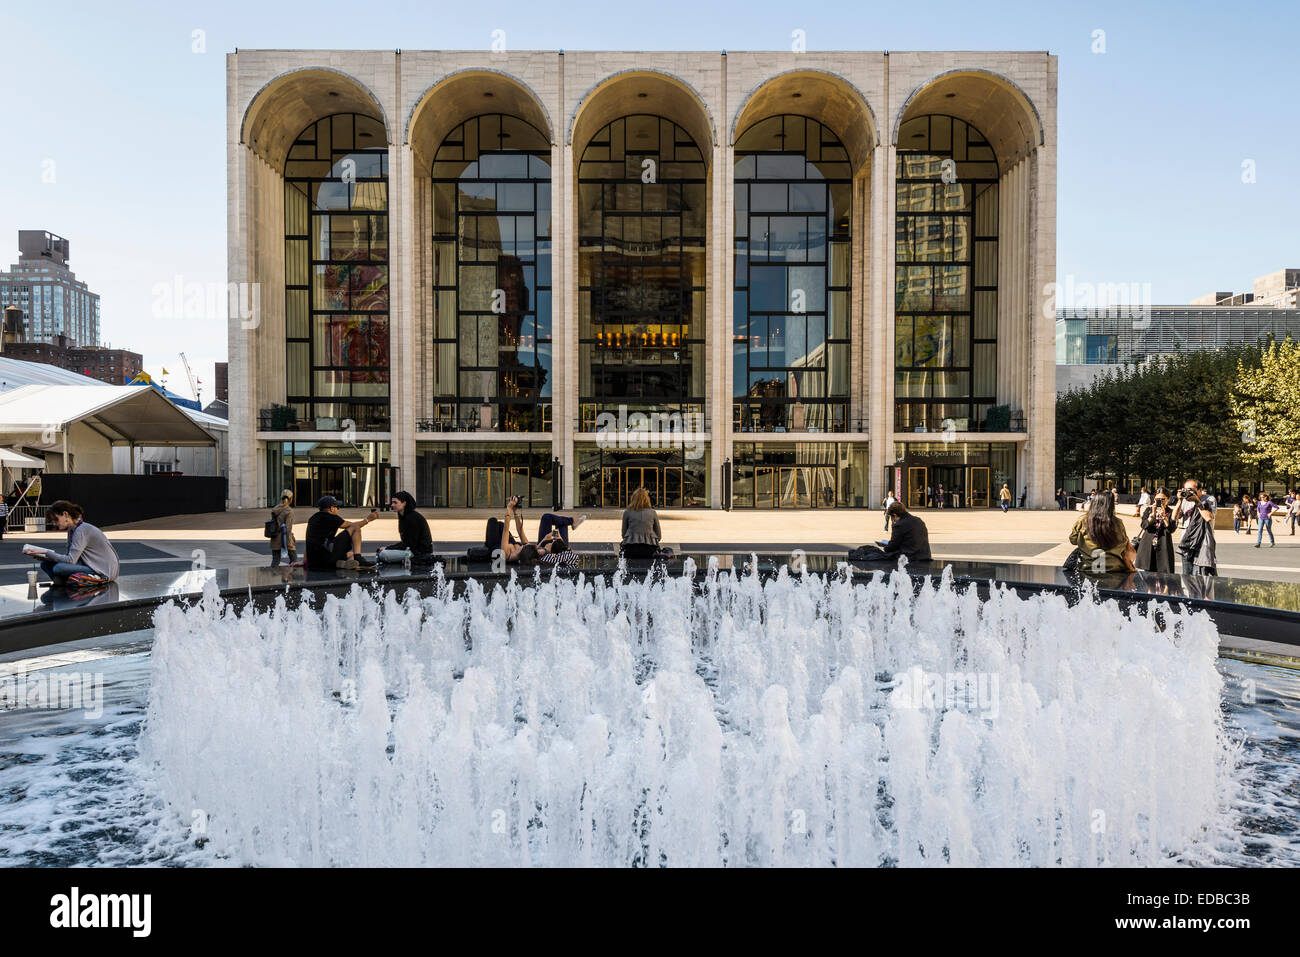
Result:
x=332 y=542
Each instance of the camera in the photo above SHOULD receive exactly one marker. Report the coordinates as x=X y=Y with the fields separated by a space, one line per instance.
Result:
x=1189 y=495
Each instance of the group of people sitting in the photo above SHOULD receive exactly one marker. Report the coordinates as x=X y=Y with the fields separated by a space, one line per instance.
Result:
x=641 y=534
x=335 y=543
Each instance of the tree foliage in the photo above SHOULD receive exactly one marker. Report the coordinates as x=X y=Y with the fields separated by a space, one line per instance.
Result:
x=1267 y=404
x=1175 y=417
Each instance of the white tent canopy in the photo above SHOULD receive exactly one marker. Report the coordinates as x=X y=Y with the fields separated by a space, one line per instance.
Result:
x=11 y=458
x=123 y=415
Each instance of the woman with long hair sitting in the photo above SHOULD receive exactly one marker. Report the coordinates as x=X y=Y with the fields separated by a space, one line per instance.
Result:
x=641 y=532
x=1101 y=539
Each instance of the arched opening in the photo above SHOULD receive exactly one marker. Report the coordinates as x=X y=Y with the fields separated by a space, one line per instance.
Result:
x=459 y=97
x=280 y=111
x=791 y=312
x=642 y=239
x=946 y=307
x=490 y=330
x=790 y=342
x=1000 y=110
x=830 y=99
x=336 y=252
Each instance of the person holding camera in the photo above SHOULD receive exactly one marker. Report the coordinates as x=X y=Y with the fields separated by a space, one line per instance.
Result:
x=1196 y=516
x=1155 y=550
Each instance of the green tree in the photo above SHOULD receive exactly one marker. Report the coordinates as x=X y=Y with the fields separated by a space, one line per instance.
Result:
x=1171 y=418
x=1266 y=402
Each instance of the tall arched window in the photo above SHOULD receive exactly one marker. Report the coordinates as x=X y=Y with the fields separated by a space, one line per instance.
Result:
x=790 y=340
x=641 y=260
x=336 y=273
x=491 y=276
x=946 y=275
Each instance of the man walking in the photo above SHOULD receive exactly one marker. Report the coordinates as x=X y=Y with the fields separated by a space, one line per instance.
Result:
x=1004 y=498
x=889 y=500
x=1196 y=515
x=1143 y=501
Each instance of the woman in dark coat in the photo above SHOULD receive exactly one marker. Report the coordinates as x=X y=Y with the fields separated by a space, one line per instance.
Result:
x=1155 y=552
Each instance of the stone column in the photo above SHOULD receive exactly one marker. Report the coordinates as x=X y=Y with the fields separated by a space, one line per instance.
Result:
x=879 y=321
x=718 y=299
x=564 y=299
x=402 y=284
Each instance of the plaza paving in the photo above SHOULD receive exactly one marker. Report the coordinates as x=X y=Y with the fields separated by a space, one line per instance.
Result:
x=228 y=539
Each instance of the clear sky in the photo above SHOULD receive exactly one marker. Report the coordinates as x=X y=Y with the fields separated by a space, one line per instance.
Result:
x=112 y=100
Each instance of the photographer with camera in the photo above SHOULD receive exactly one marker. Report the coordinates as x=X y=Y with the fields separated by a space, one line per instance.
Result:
x=1196 y=509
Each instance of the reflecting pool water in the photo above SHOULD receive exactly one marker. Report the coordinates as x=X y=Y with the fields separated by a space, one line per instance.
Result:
x=805 y=721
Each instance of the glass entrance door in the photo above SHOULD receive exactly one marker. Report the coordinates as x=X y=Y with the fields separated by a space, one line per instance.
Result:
x=980 y=487
x=795 y=487
x=917 y=478
x=489 y=487
x=823 y=486
x=673 y=488
x=611 y=488
x=646 y=478
x=765 y=487
x=952 y=480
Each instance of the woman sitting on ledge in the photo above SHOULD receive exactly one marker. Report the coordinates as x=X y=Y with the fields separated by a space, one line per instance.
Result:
x=1100 y=539
x=641 y=532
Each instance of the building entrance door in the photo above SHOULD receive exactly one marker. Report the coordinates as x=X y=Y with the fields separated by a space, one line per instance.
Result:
x=765 y=487
x=611 y=488
x=489 y=487
x=953 y=480
x=795 y=487
x=646 y=478
x=823 y=486
x=980 y=487
x=673 y=487
x=917 y=479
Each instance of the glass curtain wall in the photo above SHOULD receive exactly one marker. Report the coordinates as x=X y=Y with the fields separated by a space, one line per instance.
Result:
x=790 y=341
x=799 y=475
x=491 y=278
x=484 y=474
x=642 y=207
x=336 y=274
x=946 y=275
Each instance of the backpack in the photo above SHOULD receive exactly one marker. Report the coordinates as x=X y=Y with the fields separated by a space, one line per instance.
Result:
x=479 y=553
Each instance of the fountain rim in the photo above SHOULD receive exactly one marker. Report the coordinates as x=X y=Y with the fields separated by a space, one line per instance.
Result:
x=1258 y=632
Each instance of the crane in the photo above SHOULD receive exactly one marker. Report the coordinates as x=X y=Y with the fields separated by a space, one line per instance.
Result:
x=194 y=383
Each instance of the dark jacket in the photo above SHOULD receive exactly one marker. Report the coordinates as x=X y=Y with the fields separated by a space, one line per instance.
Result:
x=1155 y=551
x=414 y=531
x=910 y=537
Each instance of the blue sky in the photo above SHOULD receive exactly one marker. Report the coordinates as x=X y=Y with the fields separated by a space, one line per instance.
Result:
x=1152 y=133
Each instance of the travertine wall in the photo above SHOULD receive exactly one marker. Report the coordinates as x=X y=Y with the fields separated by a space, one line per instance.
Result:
x=863 y=96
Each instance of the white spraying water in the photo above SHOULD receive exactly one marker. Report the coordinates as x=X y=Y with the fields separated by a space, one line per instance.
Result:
x=574 y=722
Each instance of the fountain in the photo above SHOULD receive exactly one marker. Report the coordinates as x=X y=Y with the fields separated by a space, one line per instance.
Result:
x=795 y=720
